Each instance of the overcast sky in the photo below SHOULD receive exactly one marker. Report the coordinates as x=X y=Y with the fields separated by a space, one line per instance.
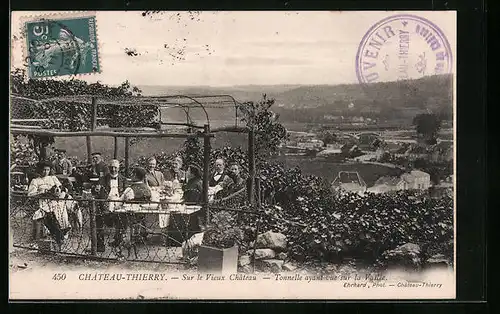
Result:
x=231 y=48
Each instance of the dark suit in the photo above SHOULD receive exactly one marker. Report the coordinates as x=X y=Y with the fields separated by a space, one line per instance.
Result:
x=230 y=185
x=155 y=179
x=213 y=182
x=103 y=217
x=98 y=168
x=105 y=183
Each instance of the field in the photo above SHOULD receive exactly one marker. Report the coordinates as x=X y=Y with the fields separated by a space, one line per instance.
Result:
x=329 y=170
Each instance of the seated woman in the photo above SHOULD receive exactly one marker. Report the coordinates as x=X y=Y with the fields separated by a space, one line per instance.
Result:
x=193 y=190
x=181 y=224
x=137 y=191
x=49 y=213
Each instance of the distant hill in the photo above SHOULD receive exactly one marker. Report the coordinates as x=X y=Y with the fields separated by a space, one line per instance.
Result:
x=310 y=103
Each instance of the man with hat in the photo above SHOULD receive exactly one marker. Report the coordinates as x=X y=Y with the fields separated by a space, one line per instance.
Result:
x=138 y=190
x=98 y=166
x=61 y=164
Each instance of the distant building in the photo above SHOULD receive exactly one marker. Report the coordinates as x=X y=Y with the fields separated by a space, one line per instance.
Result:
x=332 y=117
x=334 y=146
x=415 y=180
x=347 y=181
x=311 y=144
x=387 y=184
x=366 y=157
x=358 y=119
x=416 y=152
x=380 y=153
x=331 y=149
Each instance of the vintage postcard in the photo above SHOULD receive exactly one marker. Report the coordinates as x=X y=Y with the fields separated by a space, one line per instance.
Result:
x=232 y=155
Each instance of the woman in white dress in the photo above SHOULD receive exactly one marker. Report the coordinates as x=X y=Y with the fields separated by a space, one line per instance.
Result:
x=52 y=213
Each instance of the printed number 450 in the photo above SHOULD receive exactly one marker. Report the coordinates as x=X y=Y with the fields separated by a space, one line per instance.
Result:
x=59 y=276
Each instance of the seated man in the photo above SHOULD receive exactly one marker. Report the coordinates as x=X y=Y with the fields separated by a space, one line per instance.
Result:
x=219 y=174
x=154 y=178
x=233 y=182
x=137 y=191
x=62 y=165
x=110 y=186
x=176 y=172
x=98 y=167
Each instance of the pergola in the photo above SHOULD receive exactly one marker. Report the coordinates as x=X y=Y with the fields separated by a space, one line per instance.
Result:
x=195 y=109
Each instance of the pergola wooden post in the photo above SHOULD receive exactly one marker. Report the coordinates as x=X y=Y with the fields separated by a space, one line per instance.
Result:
x=93 y=125
x=115 y=151
x=93 y=208
x=127 y=149
x=206 y=169
x=251 y=166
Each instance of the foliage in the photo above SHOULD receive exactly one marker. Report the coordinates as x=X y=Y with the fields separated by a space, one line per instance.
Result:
x=223 y=231
x=437 y=170
x=427 y=126
x=328 y=137
x=21 y=152
x=270 y=133
x=192 y=152
x=73 y=115
x=321 y=225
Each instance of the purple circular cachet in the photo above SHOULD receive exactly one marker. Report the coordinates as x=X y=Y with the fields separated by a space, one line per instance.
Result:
x=402 y=47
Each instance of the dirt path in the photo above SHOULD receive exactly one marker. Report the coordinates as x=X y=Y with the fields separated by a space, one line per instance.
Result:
x=22 y=259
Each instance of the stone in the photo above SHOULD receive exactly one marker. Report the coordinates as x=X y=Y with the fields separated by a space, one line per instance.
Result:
x=282 y=256
x=346 y=270
x=271 y=240
x=437 y=260
x=23 y=266
x=272 y=265
x=264 y=253
x=244 y=260
x=407 y=255
x=289 y=267
x=190 y=247
x=247 y=269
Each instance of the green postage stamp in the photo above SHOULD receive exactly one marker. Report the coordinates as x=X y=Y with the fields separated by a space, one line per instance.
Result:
x=62 y=46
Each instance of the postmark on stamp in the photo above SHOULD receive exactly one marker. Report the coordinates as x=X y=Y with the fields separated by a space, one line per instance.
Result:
x=402 y=47
x=63 y=46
